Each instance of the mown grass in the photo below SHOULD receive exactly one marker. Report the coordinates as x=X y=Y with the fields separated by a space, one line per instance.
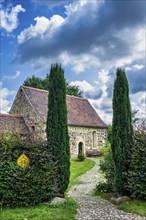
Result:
x=134 y=206
x=66 y=211
x=78 y=168
x=42 y=212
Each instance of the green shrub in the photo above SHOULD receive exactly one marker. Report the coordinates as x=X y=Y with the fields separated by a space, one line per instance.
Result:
x=103 y=187
x=29 y=186
x=107 y=164
x=81 y=157
x=137 y=174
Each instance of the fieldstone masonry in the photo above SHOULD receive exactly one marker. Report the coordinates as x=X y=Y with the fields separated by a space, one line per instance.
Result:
x=90 y=137
x=23 y=107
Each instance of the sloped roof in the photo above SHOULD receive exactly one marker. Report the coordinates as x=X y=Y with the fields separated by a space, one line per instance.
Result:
x=13 y=124
x=80 y=111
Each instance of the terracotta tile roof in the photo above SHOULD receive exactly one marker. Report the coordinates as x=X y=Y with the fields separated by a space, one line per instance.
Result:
x=80 y=112
x=13 y=124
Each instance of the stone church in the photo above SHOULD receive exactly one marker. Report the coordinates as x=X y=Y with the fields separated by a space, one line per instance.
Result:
x=29 y=112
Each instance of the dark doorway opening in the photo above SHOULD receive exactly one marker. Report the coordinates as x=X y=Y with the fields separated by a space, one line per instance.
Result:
x=80 y=148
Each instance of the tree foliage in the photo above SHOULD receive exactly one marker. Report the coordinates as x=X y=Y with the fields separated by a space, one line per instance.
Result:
x=109 y=133
x=39 y=83
x=122 y=131
x=56 y=129
x=73 y=90
x=137 y=174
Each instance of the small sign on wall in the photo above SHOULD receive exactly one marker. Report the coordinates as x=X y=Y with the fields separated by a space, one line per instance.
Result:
x=23 y=161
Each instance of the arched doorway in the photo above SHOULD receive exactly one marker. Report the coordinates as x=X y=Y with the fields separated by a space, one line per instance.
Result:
x=80 y=148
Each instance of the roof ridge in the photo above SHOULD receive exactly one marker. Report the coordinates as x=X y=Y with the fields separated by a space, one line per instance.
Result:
x=77 y=97
x=33 y=88
x=11 y=115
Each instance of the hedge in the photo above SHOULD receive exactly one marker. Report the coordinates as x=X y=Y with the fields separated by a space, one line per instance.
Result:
x=32 y=185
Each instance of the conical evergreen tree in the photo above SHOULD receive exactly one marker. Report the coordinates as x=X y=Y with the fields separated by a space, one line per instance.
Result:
x=122 y=131
x=57 y=129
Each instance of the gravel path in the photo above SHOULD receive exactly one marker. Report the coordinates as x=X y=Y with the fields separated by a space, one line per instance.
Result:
x=94 y=208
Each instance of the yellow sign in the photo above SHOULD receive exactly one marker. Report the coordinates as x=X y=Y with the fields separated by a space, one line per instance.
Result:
x=23 y=161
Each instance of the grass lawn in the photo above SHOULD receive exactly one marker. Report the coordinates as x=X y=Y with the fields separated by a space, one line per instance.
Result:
x=66 y=211
x=134 y=206
x=78 y=168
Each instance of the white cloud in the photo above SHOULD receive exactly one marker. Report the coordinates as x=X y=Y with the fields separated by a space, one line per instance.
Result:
x=128 y=68
x=75 y=7
x=13 y=77
x=83 y=85
x=98 y=87
x=79 y=63
x=5 y=103
x=80 y=6
x=138 y=66
x=9 y=19
x=103 y=80
x=134 y=67
x=44 y=27
x=105 y=112
x=138 y=102
x=101 y=56
x=90 y=91
x=83 y=42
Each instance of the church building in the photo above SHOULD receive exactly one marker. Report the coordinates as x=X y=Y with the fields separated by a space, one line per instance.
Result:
x=28 y=116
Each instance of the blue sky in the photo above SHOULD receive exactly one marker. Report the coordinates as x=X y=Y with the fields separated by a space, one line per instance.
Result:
x=90 y=38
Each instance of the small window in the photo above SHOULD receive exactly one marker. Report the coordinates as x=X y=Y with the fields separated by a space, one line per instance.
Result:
x=94 y=139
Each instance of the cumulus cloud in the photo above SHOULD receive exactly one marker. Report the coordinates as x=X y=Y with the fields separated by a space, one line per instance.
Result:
x=99 y=88
x=5 y=104
x=89 y=91
x=104 y=36
x=42 y=29
x=79 y=63
x=138 y=102
x=9 y=18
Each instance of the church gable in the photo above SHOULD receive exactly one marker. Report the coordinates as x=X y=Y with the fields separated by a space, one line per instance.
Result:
x=23 y=107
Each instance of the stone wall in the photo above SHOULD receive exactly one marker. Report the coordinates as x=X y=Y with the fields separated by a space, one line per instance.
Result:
x=91 y=138
x=23 y=107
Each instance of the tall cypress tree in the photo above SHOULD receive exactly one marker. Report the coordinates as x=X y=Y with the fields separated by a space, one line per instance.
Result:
x=57 y=129
x=122 y=131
